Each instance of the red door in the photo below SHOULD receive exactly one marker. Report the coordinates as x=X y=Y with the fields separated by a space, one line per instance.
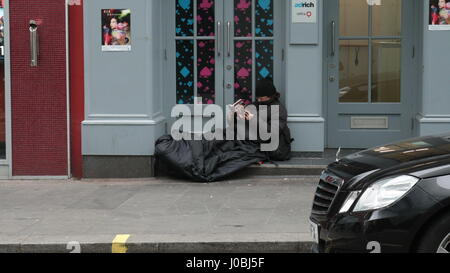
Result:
x=39 y=94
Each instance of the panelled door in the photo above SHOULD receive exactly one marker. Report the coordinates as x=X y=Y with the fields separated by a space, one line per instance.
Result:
x=220 y=49
x=370 y=64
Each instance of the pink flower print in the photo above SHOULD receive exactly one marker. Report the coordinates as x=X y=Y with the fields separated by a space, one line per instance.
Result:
x=243 y=5
x=206 y=4
x=205 y=73
x=243 y=73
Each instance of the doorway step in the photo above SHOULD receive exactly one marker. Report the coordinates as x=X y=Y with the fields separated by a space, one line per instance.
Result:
x=302 y=164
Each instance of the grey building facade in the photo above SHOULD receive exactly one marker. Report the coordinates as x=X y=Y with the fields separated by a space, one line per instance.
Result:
x=352 y=73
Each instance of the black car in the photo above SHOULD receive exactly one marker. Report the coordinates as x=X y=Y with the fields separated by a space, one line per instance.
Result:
x=394 y=198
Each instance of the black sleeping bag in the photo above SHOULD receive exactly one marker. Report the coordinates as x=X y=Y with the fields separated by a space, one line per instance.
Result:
x=206 y=161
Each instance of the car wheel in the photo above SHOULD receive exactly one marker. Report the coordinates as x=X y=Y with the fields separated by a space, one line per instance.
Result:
x=437 y=237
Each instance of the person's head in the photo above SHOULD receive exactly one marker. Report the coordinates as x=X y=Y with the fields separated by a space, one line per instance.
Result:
x=265 y=91
x=113 y=23
x=442 y=4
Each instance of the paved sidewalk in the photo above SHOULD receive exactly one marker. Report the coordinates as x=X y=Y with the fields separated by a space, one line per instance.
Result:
x=256 y=214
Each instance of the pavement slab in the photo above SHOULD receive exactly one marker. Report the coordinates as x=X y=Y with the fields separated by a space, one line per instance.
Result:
x=160 y=215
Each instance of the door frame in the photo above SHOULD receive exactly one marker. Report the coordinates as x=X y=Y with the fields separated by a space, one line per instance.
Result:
x=414 y=39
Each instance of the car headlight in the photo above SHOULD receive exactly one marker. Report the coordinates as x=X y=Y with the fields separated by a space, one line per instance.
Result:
x=351 y=198
x=385 y=192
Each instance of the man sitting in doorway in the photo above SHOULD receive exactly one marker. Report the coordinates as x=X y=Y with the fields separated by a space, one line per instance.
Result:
x=266 y=95
x=214 y=160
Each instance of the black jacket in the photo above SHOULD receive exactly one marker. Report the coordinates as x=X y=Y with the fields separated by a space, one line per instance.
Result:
x=284 y=149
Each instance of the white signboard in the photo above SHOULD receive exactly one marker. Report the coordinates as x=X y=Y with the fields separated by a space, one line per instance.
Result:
x=304 y=11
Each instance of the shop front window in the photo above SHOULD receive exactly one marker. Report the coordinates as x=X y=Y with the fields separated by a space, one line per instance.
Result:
x=370 y=41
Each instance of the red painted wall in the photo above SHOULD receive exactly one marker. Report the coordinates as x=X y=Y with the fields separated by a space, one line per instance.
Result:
x=38 y=94
x=76 y=52
x=2 y=103
x=2 y=94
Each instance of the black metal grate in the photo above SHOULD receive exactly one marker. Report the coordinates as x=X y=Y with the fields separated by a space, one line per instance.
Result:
x=325 y=194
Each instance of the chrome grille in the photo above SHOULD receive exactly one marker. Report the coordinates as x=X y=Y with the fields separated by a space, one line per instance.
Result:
x=326 y=192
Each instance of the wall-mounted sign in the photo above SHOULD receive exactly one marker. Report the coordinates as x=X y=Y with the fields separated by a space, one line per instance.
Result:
x=439 y=15
x=304 y=11
x=116 y=30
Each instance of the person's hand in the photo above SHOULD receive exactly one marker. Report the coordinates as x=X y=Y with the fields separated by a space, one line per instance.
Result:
x=239 y=108
x=248 y=115
x=240 y=111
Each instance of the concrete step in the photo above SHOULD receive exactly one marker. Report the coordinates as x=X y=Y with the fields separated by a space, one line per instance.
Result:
x=302 y=164
x=294 y=167
x=285 y=170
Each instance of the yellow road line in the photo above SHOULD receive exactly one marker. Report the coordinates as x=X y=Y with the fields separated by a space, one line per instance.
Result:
x=119 y=243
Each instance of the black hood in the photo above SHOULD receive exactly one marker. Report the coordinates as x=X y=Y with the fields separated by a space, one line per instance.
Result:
x=423 y=157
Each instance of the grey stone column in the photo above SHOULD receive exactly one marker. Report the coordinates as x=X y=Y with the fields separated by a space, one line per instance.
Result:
x=304 y=90
x=123 y=100
x=123 y=89
x=434 y=115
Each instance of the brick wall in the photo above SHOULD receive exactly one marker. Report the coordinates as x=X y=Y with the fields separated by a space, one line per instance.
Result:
x=38 y=94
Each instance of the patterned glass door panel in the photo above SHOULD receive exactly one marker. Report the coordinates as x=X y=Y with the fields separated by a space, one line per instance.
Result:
x=253 y=44
x=227 y=64
x=195 y=40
